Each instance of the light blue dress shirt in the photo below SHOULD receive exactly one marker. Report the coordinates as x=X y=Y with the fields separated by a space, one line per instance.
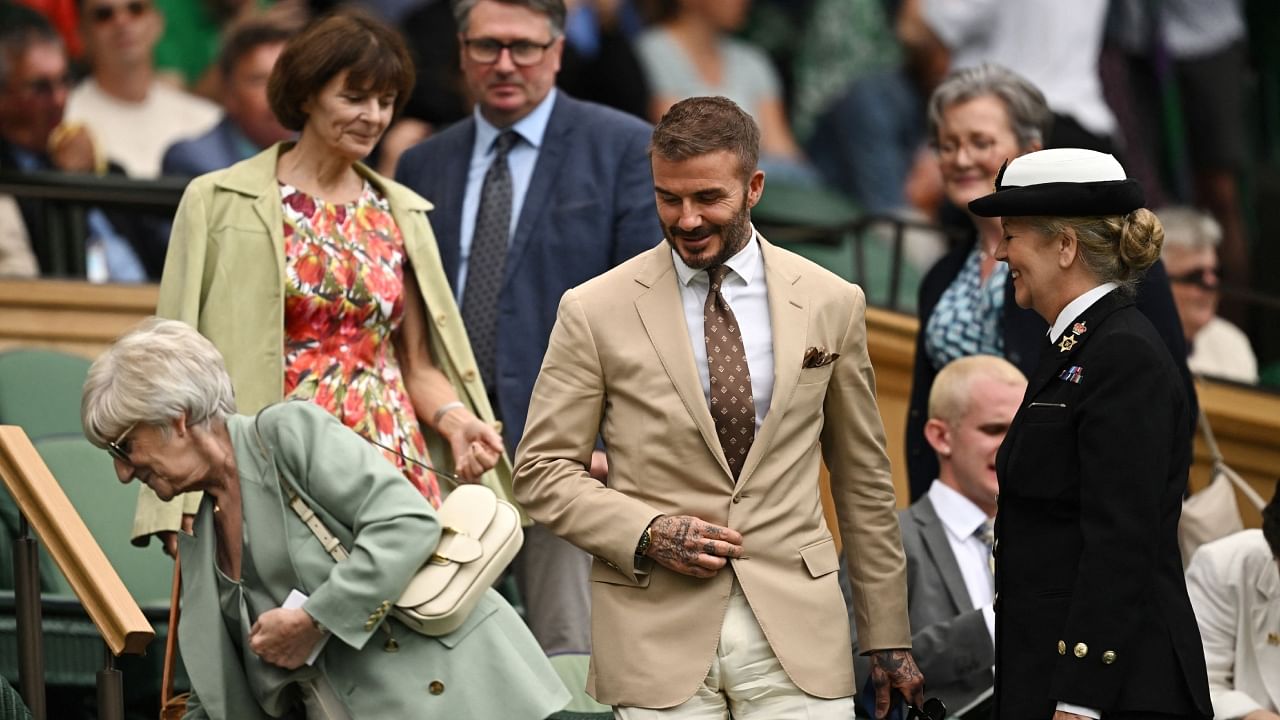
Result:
x=521 y=159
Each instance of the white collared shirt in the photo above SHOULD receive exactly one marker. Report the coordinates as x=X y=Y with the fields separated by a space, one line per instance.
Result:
x=962 y=519
x=521 y=158
x=745 y=291
x=1076 y=308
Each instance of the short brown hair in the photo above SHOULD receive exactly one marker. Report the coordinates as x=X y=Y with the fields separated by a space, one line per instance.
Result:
x=244 y=37
x=350 y=40
x=701 y=125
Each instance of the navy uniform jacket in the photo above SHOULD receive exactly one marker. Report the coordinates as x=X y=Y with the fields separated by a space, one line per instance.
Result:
x=1091 y=604
x=589 y=207
x=1023 y=331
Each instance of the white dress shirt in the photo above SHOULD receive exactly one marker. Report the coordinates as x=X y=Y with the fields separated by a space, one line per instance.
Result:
x=1076 y=308
x=745 y=291
x=962 y=520
x=1073 y=310
x=521 y=159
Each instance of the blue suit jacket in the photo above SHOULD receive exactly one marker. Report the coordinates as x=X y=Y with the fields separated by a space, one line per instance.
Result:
x=223 y=146
x=589 y=207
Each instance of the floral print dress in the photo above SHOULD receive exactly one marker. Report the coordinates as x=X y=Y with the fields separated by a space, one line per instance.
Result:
x=344 y=301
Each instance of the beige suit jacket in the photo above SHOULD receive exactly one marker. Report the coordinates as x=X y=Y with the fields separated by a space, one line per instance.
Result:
x=620 y=363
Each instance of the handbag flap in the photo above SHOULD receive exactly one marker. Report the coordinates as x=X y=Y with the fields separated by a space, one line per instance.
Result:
x=466 y=514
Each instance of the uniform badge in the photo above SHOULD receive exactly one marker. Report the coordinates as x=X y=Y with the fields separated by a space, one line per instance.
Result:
x=1078 y=328
x=1068 y=342
x=1072 y=374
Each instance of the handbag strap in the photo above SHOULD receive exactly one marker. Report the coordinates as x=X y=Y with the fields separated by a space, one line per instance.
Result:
x=331 y=543
x=1220 y=465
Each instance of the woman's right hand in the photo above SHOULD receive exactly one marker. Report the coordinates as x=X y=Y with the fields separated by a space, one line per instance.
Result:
x=476 y=446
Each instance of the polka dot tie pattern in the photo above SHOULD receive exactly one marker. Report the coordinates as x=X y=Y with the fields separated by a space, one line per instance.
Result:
x=732 y=407
x=488 y=259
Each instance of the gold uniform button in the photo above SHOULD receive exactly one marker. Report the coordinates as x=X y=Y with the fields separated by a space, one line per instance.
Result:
x=1062 y=647
x=436 y=687
x=1081 y=650
x=369 y=626
x=1108 y=657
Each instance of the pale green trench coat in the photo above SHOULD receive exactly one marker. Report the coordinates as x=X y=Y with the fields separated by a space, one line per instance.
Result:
x=490 y=668
x=225 y=274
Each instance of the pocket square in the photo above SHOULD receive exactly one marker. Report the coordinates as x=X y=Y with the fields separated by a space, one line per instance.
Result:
x=816 y=357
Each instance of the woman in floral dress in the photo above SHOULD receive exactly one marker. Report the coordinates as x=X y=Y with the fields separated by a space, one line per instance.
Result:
x=319 y=279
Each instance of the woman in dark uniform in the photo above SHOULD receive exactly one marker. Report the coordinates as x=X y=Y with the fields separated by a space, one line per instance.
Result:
x=1092 y=615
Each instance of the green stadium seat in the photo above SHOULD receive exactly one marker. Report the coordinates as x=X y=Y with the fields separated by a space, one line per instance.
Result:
x=40 y=390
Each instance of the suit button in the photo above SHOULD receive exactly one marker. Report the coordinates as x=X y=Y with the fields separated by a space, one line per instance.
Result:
x=1108 y=657
x=1062 y=647
x=736 y=499
x=436 y=687
x=469 y=375
x=441 y=318
x=369 y=625
x=1081 y=650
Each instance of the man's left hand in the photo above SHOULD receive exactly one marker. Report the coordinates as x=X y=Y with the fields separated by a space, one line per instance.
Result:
x=284 y=638
x=896 y=670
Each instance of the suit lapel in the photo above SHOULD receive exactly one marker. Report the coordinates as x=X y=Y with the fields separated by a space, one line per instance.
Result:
x=662 y=313
x=551 y=156
x=789 y=316
x=934 y=534
x=1266 y=624
x=446 y=220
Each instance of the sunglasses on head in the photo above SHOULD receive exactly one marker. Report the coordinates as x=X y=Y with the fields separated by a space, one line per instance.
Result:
x=119 y=448
x=135 y=8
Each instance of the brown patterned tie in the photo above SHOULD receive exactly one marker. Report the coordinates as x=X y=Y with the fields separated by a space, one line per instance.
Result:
x=732 y=408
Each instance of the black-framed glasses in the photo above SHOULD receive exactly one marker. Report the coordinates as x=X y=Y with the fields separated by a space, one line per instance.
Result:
x=524 y=53
x=1205 y=278
x=119 y=448
x=103 y=14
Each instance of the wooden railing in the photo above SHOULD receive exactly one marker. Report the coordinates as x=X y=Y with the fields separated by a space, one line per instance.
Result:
x=46 y=509
x=84 y=319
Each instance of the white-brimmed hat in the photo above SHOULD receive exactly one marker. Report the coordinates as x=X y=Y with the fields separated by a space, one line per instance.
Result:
x=1061 y=182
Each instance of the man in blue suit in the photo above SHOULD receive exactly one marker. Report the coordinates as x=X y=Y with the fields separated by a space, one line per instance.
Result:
x=248 y=55
x=535 y=193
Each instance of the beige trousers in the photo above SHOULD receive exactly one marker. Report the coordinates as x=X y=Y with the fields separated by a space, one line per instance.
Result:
x=746 y=681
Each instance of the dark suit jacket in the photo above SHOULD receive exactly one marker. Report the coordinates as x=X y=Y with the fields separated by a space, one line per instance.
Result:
x=949 y=638
x=223 y=146
x=1024 y=334
x=1092 y=608
x=589 y=207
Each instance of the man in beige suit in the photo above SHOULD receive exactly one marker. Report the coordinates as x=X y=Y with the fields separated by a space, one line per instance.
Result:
x=715 y=366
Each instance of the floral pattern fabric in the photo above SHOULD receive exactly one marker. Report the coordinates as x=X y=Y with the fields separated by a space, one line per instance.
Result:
x=344 y=301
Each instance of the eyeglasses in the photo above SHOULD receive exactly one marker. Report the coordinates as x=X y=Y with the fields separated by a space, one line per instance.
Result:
x=103 y=14
x=979 y=147
x=1205 y=278
x=48 y=86
x=119 y=449
x=524 y=53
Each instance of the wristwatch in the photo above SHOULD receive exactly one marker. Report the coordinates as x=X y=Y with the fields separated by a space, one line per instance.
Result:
x=642 y=547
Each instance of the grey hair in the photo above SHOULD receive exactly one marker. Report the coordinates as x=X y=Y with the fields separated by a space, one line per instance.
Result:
x=553 y=9
x=154 y=374
x=1029 y=113
x=1187 y=228
x=20 y=28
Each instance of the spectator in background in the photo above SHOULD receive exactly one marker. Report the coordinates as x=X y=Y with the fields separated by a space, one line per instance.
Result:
x=248 y=126
x=1218 y=348
x=133 y=114
x=979 y=117
x=34 y=81
x=690 y=52
x=947 y=534
x=16 y=257
x=1234 y=584
x=574 y=197
x=1053 y=44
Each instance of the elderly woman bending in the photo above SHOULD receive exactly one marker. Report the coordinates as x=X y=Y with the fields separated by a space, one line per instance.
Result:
x=160 y=401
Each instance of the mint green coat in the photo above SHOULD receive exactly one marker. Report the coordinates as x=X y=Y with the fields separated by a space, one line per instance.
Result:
x=491 y=667
x=225 y=275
